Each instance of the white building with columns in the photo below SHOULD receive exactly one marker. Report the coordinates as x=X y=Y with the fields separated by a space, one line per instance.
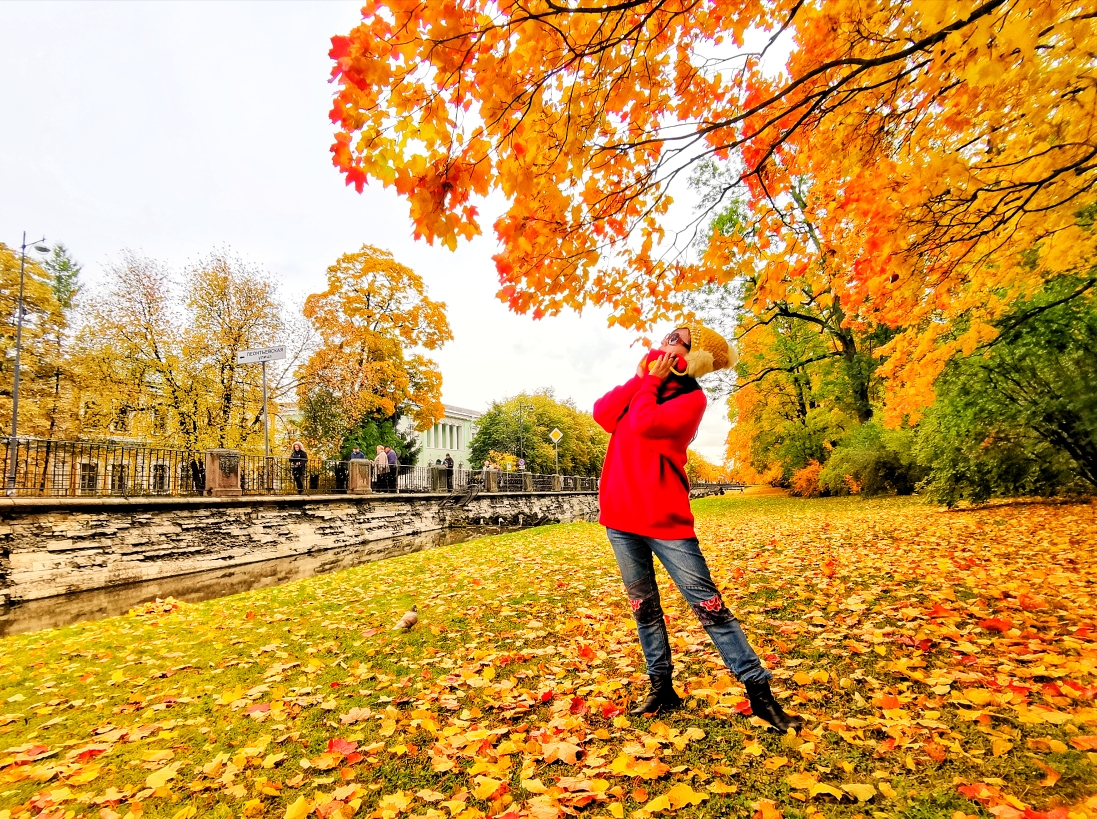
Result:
x=452 y=435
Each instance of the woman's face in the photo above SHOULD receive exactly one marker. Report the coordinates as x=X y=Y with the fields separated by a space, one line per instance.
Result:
x=296 y=447
x=677 y=342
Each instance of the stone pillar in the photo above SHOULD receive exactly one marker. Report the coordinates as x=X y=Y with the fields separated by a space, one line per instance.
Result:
x=527 y=481
x=222 y=473
x=438 y=479
x=557 y=483
x=358 y=480
x=491 y=481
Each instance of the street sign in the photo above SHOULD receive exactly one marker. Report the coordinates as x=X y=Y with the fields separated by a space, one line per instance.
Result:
x=521 y=463
x=261 y=354
x=556 y=435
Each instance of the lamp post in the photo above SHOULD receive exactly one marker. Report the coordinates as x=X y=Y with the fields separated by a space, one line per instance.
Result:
x=13 y=448
x=522 y=406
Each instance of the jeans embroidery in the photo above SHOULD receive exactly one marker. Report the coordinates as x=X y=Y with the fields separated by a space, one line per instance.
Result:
x=643 y=595
x=712 y=611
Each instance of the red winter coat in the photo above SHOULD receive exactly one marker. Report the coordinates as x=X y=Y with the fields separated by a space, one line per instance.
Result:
x=644 y=488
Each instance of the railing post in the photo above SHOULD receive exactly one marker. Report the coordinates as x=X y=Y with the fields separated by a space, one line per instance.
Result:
x=437 y=479
x=222 y=473
x=491 y=481
x=557 y=483
x=358 y=479
x=527 y=481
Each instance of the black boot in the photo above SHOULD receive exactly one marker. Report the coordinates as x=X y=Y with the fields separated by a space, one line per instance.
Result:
x=663 y=697
x=763 y=704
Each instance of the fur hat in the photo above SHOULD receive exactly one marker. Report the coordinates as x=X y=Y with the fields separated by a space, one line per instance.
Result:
x=708 y=351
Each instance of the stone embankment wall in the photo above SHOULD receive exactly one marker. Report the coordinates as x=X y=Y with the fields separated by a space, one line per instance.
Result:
x=50 y=547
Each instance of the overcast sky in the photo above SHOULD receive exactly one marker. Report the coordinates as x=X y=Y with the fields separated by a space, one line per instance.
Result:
x=173 y=129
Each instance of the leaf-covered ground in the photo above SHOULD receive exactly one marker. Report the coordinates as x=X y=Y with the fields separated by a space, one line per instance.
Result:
x=944 y=662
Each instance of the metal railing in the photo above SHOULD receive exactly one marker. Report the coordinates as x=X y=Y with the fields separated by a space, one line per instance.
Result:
x=48 y=468
x=79 y=469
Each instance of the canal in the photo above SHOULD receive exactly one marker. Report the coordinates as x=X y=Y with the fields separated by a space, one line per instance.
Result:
x=66 y=609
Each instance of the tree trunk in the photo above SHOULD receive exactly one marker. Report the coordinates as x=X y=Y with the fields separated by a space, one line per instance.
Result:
x=858 y=377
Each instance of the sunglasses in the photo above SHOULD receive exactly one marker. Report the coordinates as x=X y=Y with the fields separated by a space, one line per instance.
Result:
x=675 y=338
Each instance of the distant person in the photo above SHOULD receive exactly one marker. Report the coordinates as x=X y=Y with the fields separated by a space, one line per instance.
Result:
x=394 y=468
x=448 y=463
x=644 y=503
x=381 y=469
x=298 y=463
x=357 y=455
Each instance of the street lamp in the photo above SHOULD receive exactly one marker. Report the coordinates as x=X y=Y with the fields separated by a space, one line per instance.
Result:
x=522 y=406
x=13 y=448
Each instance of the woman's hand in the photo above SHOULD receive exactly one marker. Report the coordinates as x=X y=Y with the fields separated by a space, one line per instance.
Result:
x=661 y=368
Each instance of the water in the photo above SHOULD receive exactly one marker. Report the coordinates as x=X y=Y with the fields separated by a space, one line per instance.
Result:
x=63 y=610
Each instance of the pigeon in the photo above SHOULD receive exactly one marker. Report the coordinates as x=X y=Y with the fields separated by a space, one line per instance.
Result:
x=408 y=620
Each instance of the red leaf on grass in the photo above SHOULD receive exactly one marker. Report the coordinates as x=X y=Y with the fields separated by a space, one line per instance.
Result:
x=342 y=746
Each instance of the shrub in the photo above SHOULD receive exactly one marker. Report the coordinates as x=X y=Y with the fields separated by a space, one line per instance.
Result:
x=805 y=482
x=873 y=461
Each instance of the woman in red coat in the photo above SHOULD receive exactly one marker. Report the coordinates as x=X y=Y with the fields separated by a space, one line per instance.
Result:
x=644 y=499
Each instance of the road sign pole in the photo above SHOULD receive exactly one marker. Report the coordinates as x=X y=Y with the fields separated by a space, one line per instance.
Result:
x=261 y=356
x=266 y=417
x=556 y=435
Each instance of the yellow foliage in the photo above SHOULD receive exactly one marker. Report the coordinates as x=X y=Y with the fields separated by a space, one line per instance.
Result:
x=700 y=469
x=373 y=310
x=46 y=393
x=160 y=365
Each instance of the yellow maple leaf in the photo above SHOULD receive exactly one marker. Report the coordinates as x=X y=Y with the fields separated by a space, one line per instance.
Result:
x=158 y=779
x=299 y=809
x=682 y=794
x=84 y=776
x=625 y=765
x=821 y=788
x=862 y=793
x=658 y=804
x=801 y=780
x=486 y=786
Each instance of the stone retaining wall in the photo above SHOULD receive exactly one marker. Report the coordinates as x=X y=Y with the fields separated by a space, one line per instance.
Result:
x=56 y=546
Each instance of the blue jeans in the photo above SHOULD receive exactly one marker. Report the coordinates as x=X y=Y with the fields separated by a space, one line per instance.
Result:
x=687 y=567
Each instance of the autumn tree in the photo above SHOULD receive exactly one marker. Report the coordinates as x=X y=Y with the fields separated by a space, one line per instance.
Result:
x=950 y=150
x=44 y=324
x=701 y=469
x=159 y=357
x=372 y=314
x=791 y=403
x=1019 y=416
x=520 y=427
x=63 y=272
